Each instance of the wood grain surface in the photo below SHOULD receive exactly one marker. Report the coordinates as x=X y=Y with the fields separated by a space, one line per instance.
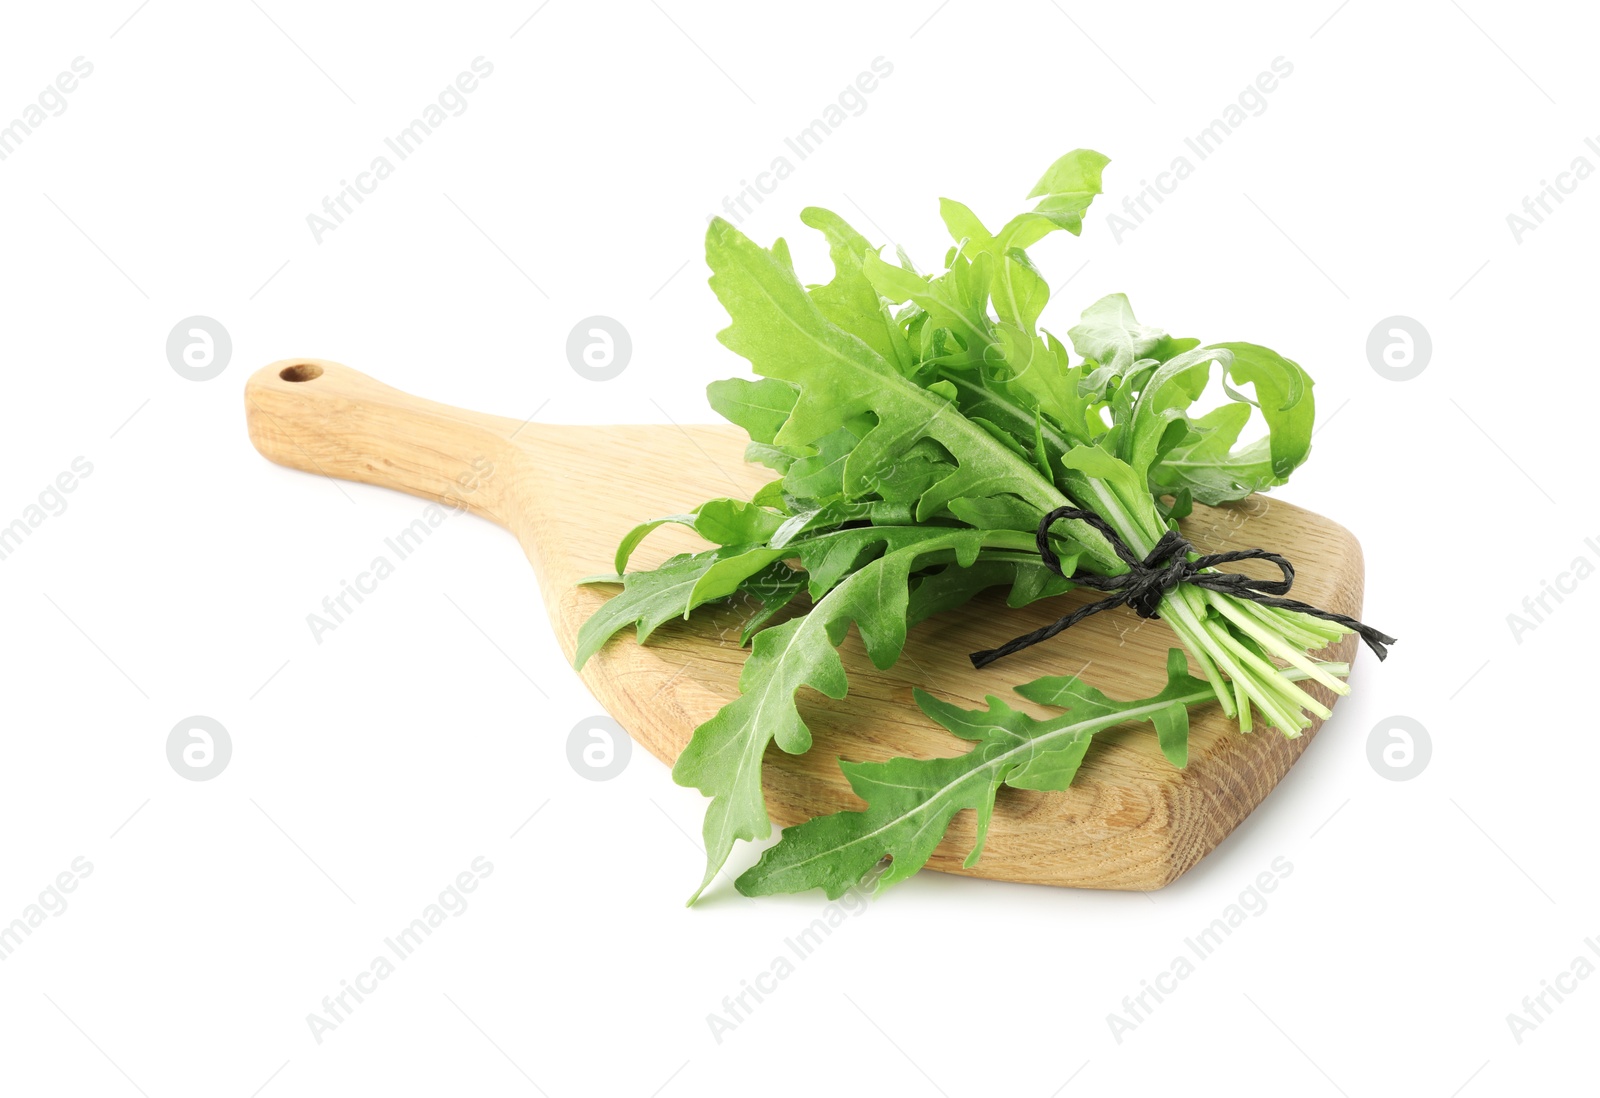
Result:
x=1130 y=820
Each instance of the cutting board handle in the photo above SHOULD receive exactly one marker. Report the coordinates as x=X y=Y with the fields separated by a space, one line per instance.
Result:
x=323 y=417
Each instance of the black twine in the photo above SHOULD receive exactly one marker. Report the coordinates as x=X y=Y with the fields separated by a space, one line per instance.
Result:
x=1166 y=566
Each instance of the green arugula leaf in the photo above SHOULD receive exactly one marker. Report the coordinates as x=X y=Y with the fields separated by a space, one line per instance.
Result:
x=1064 y=192
x=761 y=407
x=849 y=301
x=819 y=477
x=770 y=589
x=776 y=326
x=723 y=758
x=735 y=522
x=954 y=585
x=1207 y=461
x=648 y=599
x=632 y=539
x=910 y=802
x=949 y=303
x=1283 y=393
x=719 y=521
x=908 y=477
x=1112 y=337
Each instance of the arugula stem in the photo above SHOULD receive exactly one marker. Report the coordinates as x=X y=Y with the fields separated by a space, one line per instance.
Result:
x=1180 y=617
x=1244 y=707
x=1322 y=631
x=1266 y=692
x=1011 y=539
x=1187 y=624
x=1269 y=675
x=1283 y=625
x=1274 y=642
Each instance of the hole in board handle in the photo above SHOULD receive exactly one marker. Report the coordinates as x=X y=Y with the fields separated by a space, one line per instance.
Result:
x=301 y=371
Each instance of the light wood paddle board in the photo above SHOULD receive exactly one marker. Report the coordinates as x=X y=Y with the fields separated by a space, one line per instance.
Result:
x=1131 y=820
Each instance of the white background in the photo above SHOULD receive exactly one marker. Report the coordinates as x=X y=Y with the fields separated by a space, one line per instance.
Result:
x=370 y=769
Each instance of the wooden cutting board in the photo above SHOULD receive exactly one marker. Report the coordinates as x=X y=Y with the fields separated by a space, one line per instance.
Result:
x=1130 y=821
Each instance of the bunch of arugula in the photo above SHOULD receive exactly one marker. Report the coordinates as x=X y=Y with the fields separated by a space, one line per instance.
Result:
x=921 y=426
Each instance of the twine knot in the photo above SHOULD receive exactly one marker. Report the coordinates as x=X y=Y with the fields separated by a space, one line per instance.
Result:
x=1167 y=565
